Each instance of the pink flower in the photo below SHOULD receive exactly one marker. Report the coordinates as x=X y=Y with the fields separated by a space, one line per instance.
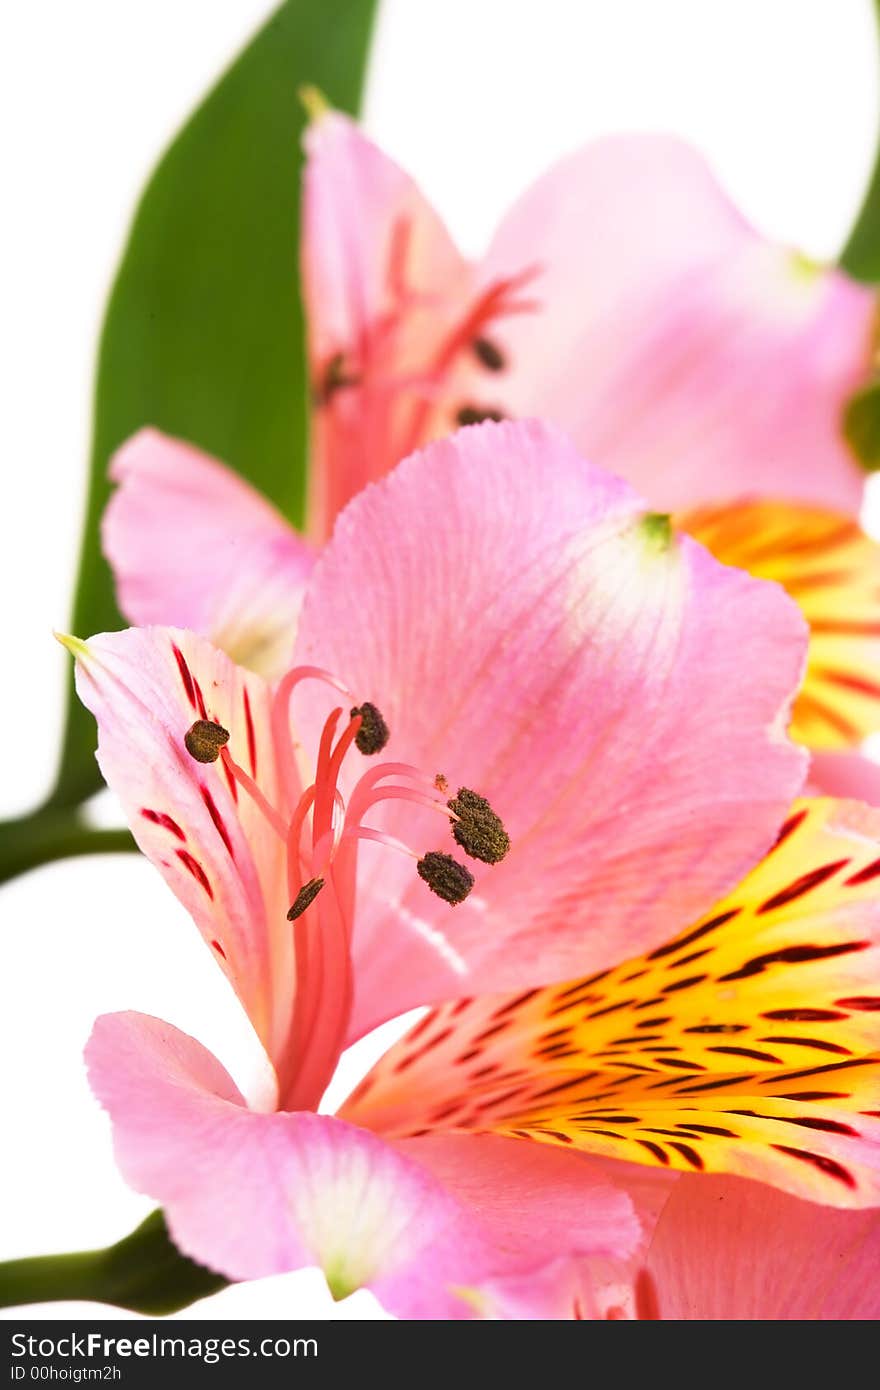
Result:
x=553 y=672
x=680 y=350
x=625 y=299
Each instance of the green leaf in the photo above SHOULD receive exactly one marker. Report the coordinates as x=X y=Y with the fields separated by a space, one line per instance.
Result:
x=203 y=335
x=860 y=256
x=144 y=1272
x=861 y=426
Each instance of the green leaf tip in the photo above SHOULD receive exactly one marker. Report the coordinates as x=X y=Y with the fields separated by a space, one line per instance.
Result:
x=861 y=426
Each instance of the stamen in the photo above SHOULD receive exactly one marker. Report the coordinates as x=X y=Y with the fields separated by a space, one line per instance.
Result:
x=205 y=739
x=489 y=354
x=325 y=848
x=478 y=829
x=476 y=414
x=336 y=376
x=304 y=898
x=395 y=792
x=280 y=719
x=272 y=816
x=360 y=796
x=445 y=876
x=293 y=835
x=374 y=733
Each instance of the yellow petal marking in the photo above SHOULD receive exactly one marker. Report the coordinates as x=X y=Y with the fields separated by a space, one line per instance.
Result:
x=749 y=1044
x=832 y=571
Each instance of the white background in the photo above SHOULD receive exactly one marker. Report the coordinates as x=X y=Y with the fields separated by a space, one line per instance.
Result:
x=475 y=97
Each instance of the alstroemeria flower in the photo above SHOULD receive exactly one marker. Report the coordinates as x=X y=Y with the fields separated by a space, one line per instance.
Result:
x=624 y=298
x=574 y=763
x=680 y=350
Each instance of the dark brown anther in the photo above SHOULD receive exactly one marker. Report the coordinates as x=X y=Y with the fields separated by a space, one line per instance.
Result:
x=475 y=415
x=445 y=876
x=335 y=377
x=489 y=354
x=304 y=898
x=479 y=830
x=204 y=740
x=373 y=734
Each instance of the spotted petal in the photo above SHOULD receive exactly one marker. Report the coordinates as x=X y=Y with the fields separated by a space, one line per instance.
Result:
x=832 y=570
x=728 y=1250
x=531 y=633
x=255 y=1194
x=146 y=687
x=192 y=545
x=749 y=1044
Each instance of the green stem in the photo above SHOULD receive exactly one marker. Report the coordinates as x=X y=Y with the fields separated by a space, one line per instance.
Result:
x=860 y=256
x=51 y=833
x=144 y=1272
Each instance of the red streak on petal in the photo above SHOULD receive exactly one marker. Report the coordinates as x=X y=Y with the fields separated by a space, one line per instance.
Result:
x=850 y=681
x=160 y=818
x=185 y=675
x=251 y=736
x=647 y=1306
x=200 y=699
x=219 y=949
x=196 y=870
x=218 y=820
x=789 y=827
x=865 y=875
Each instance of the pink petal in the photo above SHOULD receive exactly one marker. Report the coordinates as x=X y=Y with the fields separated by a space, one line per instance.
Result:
x=679 y=348
x=540 y=1203
x=255 y=1194
x=729 y=1249
x=192 y=545
x=530 y=634
x=851 y=776
x=146 y=687
x=558 y=1221
x=384 y=285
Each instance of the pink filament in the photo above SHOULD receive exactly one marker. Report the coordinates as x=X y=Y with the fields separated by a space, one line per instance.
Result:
x=323 y=969
x=280 y=720
x=272 y=816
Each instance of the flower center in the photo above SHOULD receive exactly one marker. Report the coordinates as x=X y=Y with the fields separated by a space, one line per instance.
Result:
x=320 y=832
x=364 y=362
